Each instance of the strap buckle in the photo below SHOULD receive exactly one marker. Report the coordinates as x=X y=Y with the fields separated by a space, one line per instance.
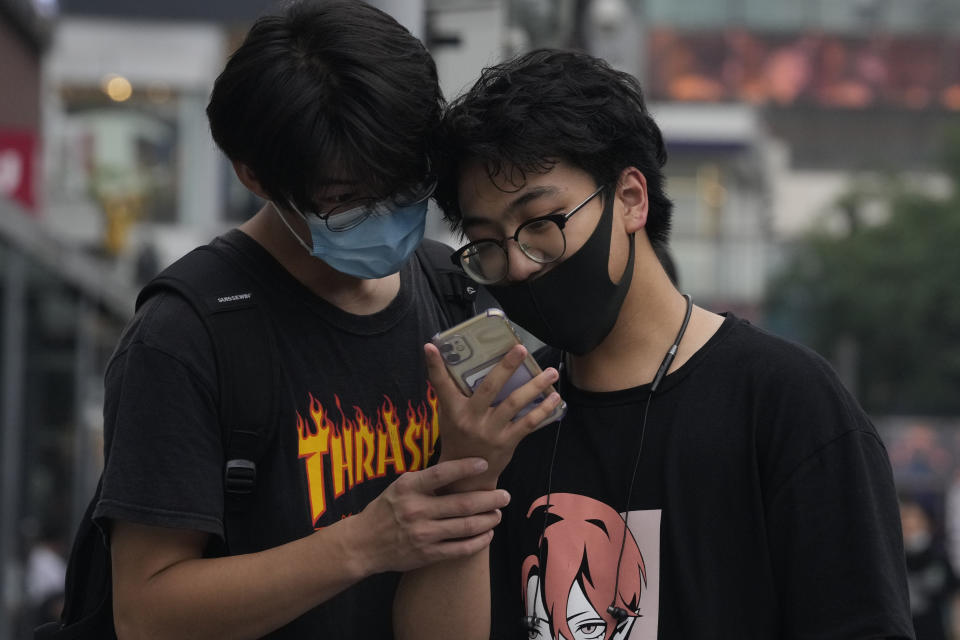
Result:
x=240 y=476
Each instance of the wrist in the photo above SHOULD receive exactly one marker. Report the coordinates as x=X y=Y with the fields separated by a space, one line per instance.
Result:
x=350 y=542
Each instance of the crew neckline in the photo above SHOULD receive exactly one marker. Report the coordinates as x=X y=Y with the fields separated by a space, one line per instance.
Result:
x=284 y=290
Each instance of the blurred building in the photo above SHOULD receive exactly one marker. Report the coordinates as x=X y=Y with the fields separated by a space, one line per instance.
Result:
x=106 y=170
x=22 y=38
x=839 y=89
x=770 y=108
x=60 y=314
x=131 y=171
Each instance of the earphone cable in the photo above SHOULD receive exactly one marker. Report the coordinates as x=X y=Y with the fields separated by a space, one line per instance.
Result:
x=617 y=612
x=613 y=609
x=626 y=509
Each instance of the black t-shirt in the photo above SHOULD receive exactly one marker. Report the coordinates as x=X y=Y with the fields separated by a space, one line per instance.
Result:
x=763 y=507
x=355 y=410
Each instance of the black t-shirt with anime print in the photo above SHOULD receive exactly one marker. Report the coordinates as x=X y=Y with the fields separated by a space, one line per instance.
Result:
x=763 y=507
x=355 y=409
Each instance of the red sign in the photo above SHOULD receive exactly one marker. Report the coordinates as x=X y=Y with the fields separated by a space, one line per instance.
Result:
x=17 y=164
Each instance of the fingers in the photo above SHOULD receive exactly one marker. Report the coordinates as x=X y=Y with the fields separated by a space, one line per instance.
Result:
x=435 y=527
x=466 y=504
x=458 y=528
x=421 y=486
x=493 y=384
x=487 y=391
x=437 y=372
x=453 y=537
x=542 y=415
x=429 y=480
x=528 y=393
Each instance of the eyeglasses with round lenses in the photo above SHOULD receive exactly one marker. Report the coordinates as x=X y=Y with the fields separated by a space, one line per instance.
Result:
x=352 y=214
x=541 y=239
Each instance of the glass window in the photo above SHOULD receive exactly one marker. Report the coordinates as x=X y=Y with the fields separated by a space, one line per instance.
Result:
x=774 y=14
x=691 y=14
x=841 y=15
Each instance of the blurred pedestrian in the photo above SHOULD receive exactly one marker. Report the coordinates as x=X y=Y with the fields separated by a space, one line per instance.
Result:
x=44 y=574
x=932 y=581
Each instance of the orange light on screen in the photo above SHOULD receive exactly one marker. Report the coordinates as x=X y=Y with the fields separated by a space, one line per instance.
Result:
x=951 y=97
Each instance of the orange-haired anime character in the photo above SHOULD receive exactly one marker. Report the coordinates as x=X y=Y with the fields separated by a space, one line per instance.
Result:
x=569 y=584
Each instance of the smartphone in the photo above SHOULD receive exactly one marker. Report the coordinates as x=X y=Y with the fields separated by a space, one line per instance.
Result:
x=475 y=346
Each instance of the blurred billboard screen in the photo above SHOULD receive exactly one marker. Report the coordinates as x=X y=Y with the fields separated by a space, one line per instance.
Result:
x=805 y=69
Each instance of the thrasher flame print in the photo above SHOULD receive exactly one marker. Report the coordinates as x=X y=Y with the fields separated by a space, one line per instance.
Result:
x=351 y=450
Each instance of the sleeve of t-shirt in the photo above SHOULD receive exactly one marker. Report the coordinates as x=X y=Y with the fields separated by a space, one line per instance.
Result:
x=163 y=453
x=832 y=519
x=836 y=546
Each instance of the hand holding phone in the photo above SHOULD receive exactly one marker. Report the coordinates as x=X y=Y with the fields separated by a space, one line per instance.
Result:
x=473 y=348
x=491 y=392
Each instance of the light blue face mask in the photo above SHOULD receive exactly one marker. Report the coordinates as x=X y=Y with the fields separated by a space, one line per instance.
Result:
x=374 y=249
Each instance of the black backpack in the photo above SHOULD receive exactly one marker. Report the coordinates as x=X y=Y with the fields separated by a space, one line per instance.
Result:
x=220 y=291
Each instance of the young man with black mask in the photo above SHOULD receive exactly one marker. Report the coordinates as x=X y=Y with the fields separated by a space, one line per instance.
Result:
x=708 y=479
x=326 y=111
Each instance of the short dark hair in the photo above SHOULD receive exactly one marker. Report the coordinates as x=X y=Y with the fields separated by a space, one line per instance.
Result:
x=328 y=89
x=547 y=105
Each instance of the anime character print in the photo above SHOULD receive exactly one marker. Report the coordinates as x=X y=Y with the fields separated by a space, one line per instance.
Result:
x=571 y=577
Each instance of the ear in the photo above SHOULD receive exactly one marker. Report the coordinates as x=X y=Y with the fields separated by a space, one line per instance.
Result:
x=632 y=192
x=248 y=179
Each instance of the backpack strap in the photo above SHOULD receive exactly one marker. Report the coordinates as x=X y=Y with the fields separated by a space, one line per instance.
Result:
x=221 y=293
x=460 y=297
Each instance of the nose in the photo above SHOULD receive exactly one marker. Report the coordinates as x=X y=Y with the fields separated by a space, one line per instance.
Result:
x=519 y=266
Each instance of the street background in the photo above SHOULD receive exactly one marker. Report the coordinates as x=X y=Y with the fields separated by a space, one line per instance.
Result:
x=814 y=164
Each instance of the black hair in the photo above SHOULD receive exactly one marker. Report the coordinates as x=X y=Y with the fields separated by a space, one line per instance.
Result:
x=325 y=90
x=523 y=115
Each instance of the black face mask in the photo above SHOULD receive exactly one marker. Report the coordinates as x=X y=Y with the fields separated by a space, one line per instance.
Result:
x=574 y=305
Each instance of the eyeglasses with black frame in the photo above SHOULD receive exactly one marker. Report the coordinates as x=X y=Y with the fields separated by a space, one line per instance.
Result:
x=351 y=214
x=541 y=239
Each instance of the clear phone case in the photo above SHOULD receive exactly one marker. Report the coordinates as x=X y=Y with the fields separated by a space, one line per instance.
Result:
x=474 y=347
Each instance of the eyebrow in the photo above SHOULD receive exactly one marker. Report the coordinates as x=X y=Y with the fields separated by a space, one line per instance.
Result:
x=517 y=203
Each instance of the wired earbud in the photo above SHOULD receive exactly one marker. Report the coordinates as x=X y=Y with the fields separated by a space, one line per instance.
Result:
x=619 y=614
x=529 y=623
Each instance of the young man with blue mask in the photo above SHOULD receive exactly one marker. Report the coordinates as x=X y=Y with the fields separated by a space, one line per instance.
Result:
x=327 y=112
x=751 y=496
